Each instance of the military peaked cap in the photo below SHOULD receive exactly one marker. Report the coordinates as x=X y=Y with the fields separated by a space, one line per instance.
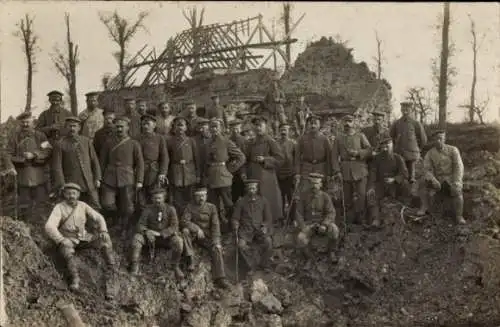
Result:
x=189 y=102
x=348 y=118
x=73 y=119
x=284 y=124
x=214 y=95
x=178 y=118
x=122 y=118
x=235 y=122
x=438 y=131
x=202 y=121
x=149 y=116
x=316 y=176
x=216 y=120
x=72 y=186
x=313 y=118
x=259 y=119
x=406 y=104
x=200 y=190
x=386 y=140
x=378 y=113
x=252 y=181
x=54 y=93
x=141 y=100
x=24 y=115
x=128 y=98
x=157 y=190
x=92 y=94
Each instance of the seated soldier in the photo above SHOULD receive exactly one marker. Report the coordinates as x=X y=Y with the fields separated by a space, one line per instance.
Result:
x=158 y=225
x=252 y=222
x=66 y=227
x=316 y=216
x=443 y=173
x=200 y=223
x=388 y=176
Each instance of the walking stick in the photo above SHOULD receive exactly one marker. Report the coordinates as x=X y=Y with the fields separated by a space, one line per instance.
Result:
x=151 y=252
x=16 y=198
x=237 y=258
x=343 y=203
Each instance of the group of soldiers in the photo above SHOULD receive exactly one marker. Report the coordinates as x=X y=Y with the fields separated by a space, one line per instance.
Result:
x=182 y=181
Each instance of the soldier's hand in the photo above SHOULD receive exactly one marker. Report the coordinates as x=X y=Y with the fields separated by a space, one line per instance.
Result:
x=199 y=234
x=243 y=177
x=296 y=179
x=186 y=232
x=389 y=180
x=322 y=229
x=29 y=155
x=182 y=162
x=104 y=237
x=138 y=186
x=259 y=159
x=371 y=191
x=235 y=227
x=161 y=179
x=11 y=172
x=97 y=183
x=151 y=235
x=66 y=242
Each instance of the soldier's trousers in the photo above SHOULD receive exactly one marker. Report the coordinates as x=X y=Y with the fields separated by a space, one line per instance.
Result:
x=181 y=195
x=410 y=165
x=238 y=188
x=310 y=230
x=173 y=242
x=91 y=198
x=246 y=237
x=29 y=197
x=448 y=191
x=215 y=195
x=218 y=270
x=382 y=190
x=355 y=198
x=286 y=185
x=120 y=200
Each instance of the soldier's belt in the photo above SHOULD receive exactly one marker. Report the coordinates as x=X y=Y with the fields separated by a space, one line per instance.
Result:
x=214 y=164
x=314 y=162
x=184 y=163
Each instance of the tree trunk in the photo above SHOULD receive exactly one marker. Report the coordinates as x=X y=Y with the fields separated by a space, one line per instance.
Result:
x=29 y=84
x=72 y=53
x=122 y=65
x=472 y=104
x=286 y=19
x=443 y=73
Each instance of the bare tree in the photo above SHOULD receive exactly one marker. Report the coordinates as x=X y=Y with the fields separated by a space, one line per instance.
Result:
x=105 y=79
x=66 y=65
x=121 y=32
x=421 y=103
x=379 y=58
x=30 y=47
x=443 y=68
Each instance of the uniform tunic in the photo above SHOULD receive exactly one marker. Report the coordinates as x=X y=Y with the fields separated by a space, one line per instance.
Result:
x=409 y=137
x=31 y=173
x=162 y=219
x=122 y=163
x=92 y=121
x=102 y=136
x=313 y=155
x=384 y=166
x=375 y=136
x=164 y=124
x=156 y=159
x=315 y=208
x=51 y=122
x=352 y=168
x=251 y=214
x=444 y=165
x=183 y=148
x=287 y=169
x=222 y=159
x=74 y=161
x=265 y=172
x=135 y=124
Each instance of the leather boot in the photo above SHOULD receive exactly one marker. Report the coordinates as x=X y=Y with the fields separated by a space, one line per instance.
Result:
x=73 y=273
x=136 y=253
x=178 y=272
x=191 y=265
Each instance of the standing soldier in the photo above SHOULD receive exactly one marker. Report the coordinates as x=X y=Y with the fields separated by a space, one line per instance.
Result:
x=388 y=176
x=274 y=101
x=105 y=133
x=142 y=107
x=74 y=160
x=264 y=157
x=156 y=159
x=51 y=121
x=349 y=160
x=409 y=138
x=133 y=116
x=443 y=173
x=238 y=187
x=92 y=117
x=222 y=159
x=165 y=118
x=216 y=110
x=377 y=132
x=286 y=172
x=252 y=221
x=200 y=223
x=313 y=154
x=123 y=174
x=192 y=117
x=301 y=116
x=158 y=225
x=29 y=151
x=184 y=169
x=66 y=227
x=316 y=216
x=202 y=136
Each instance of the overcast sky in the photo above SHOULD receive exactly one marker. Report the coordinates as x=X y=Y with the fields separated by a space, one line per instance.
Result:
x=409 y=41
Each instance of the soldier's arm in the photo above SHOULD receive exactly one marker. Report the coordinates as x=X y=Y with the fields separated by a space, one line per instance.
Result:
x=328 y=210
x=103 y=156
x=42 y=154
x=236 y=157
x=268 y=217
x=402 y=172
x=196 y=158
x=138 y=163
x=215 y=225
x=52 y=225
x=12 y=150
x=393 y=131
x=366 y=148
x=336 y=156
x=458 y=165
x=41 y=124
x=95 y=217
x=276 y=157
x=164 y=157
x=428 y=166
x=421 y=135
x=142 y=224
x=186 y=220
x=329 y=157
x=235 y=219
x=57 y=169
x=173 y=226
x=94 y=162
x=297 y=151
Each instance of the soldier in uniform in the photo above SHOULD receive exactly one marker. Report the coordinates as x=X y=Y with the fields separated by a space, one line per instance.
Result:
x=74 y=161
x=264 y=157
x=66 y=228
x=388 y=176
x=443 y=173
x=216 y=110
x=156 y=159
x=350 y=152
x=92 y=118
x=313 y=154
x=105 y=133
x=252 y=222
x=29 y=151
x=123 y=174
x=202 y=136
x=238 y=187
x=184 y=170
x=377 y=132
x=222 y=159
x=316 y=216
x=303 y=112
x=158 y=226
x=200 y=223
x=192 y=117
x=51 y=121
x=142 y=106
x=274 y=101
x=165 y=118
x=134 y=117
x=409 y=138
x=286 y=171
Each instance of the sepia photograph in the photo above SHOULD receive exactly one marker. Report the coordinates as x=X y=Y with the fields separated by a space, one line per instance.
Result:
x=249 y=164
